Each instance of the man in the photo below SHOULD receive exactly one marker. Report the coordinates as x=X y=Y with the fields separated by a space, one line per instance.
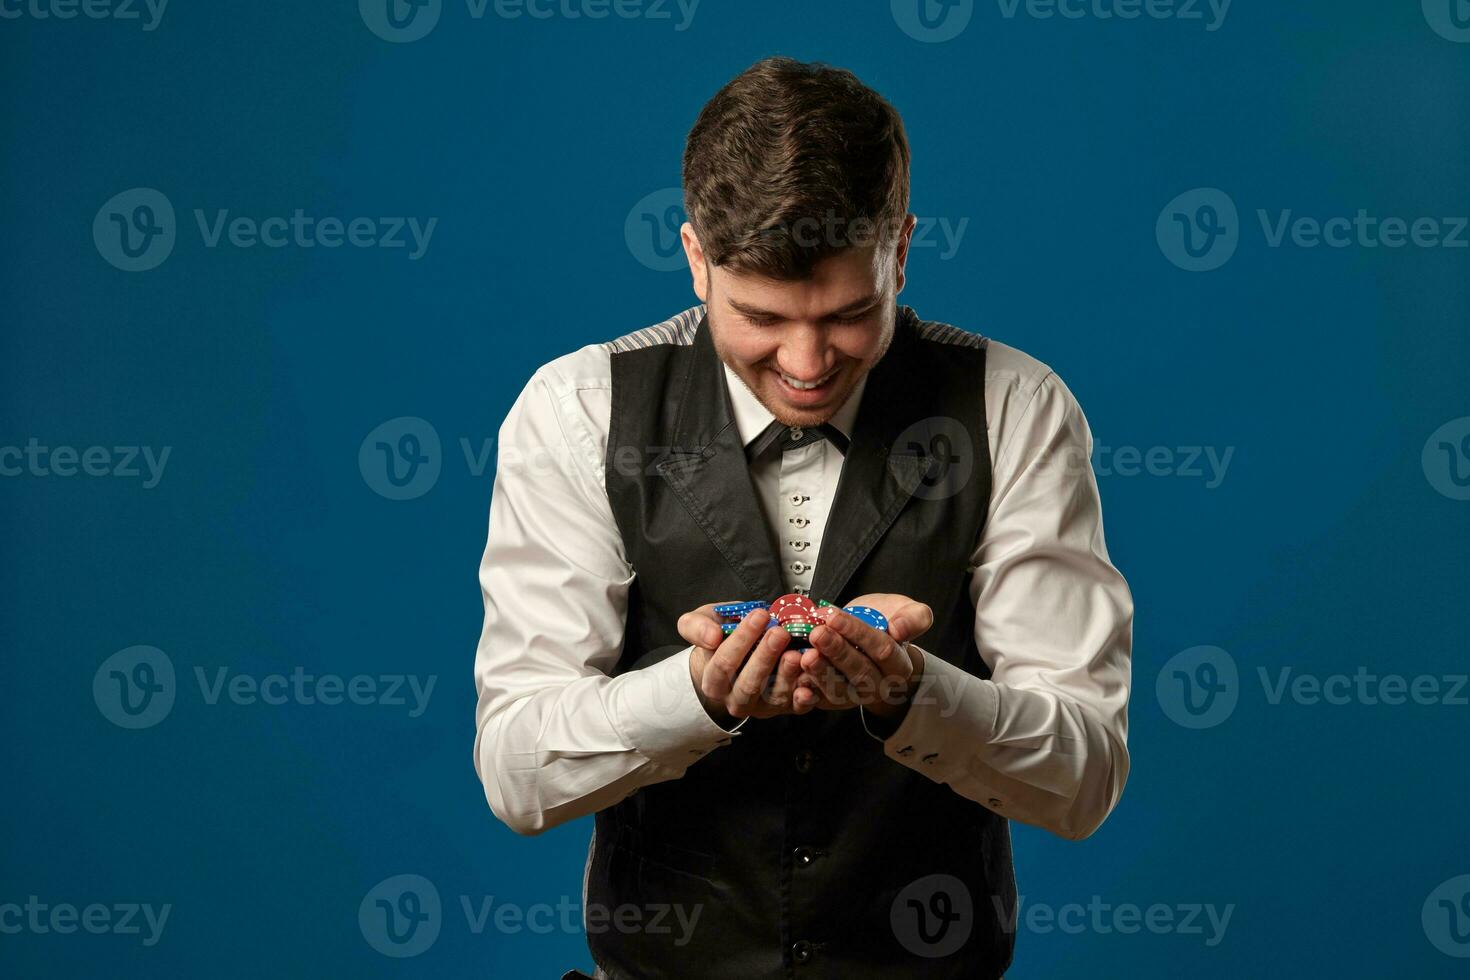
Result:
x=838 y=811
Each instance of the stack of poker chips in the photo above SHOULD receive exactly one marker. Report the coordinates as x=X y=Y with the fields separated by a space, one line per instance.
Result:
x=796 y=614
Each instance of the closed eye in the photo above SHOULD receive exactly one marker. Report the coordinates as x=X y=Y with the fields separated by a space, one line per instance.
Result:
x=766 y=321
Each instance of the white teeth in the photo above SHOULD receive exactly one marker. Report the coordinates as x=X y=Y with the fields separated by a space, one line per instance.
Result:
x=806 y=385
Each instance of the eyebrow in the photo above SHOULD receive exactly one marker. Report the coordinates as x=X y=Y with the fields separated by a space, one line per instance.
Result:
x=861 y=303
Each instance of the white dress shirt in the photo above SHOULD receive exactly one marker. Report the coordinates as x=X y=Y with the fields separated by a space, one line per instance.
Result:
x=1043 y=740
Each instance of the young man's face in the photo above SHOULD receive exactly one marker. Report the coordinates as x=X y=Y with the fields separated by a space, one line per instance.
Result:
x=781 y=337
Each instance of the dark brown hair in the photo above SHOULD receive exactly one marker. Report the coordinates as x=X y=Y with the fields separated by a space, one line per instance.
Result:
x=791 y=162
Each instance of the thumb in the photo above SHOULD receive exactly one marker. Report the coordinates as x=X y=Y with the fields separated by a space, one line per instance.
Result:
x=913 y=620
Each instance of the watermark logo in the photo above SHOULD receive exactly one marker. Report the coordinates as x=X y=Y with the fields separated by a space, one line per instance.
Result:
x=652 y=230
x=933 y=916
x=401 y=916
x=135 y=688
x=1450 y=19
x=1199 y=687
x=1199 y=230
x=400 y=21
x=135 y=230
x=942 y=20
x=401 y=458
x=932 y=21
x=148 y=12
x=840 y=231
x=1446 y=917
x=1446 y=459
x=945 y=444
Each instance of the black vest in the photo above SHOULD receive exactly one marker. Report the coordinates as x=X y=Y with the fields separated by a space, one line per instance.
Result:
x=796 y=841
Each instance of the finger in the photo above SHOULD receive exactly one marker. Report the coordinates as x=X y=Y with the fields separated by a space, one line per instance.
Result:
x=805 y=697
x=753 y=676
x=820 y=672
x=838 y=642
x=720 y=672
x=810 y=685
x=911 y=621
x=829 y=687
x=878 y=647
x=701 y=627
x=784 y=685
x=838 y=694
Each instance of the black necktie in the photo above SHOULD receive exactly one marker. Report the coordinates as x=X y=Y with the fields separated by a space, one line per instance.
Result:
x=778 y=437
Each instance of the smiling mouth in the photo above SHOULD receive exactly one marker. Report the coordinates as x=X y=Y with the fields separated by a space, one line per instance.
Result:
x=796 y=384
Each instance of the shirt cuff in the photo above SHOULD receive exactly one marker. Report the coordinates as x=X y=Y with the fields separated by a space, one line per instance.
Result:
x=658 y=711
x=950 y=717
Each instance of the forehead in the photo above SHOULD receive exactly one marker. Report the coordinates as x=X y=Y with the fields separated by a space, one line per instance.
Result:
x=837 y=281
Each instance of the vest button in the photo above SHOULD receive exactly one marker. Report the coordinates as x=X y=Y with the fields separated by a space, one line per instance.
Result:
x=801 y=951
x=804 y=760
x=802 y=856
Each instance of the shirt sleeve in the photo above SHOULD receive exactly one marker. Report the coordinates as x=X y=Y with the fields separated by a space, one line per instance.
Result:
x=1044 y=739
x=556 y=737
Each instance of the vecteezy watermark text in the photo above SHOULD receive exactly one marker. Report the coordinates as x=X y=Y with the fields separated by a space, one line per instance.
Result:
x=149 y=13
x=300 y=687
x=402 y=916
x=403 y=21
x=39 y=460
x=1200 y=230
x=98 y=918
x=839 y=231
x=137 y=230
x=1126 y=918
x=934 y=21
x=1200 y=687
x=1210 y=13
x=135 y=688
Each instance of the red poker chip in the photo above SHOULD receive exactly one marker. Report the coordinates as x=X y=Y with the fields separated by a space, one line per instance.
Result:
x=790 y=605
x=820 y=614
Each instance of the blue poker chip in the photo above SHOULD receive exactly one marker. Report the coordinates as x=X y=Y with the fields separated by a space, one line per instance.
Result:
x=728 y=628
x=868 y=615
x=734 y=611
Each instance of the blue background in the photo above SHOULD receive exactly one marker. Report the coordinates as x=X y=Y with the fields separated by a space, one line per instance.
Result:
x=264 y=547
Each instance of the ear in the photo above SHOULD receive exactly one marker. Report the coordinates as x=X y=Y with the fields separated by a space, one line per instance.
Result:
x=905 y=234
x=698 y=269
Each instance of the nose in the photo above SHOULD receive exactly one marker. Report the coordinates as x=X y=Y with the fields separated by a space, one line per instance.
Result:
x=803 y=354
